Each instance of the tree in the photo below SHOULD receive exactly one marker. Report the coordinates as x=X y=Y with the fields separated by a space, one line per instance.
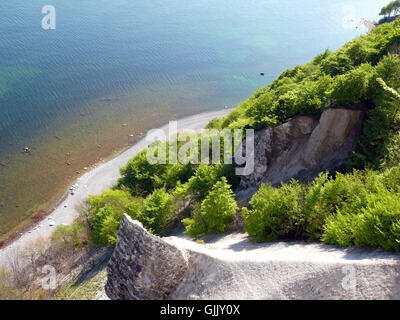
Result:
x=216 y=211
x=392 y=8
x=107 y=209
x=157 y=212
x=141 y=177
x=201 y=183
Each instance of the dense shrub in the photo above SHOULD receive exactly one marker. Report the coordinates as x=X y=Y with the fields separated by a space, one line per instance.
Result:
x=204 y=179
x=339 y=229
x=327 y=196
x=106 y=212
x=337 y=63
x=216 y=212
x=200 y=184
x=157 y=212
x=359 y=208
x=353 y=87
x=391 y=179
x=391 y=151
x=73 y=236
x=382 y=122
x=141 y=177
x=379 y=224
x=389 y=70
x=360 y=51
x=275 y=213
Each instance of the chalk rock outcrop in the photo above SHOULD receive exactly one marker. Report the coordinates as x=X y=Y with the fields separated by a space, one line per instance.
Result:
x=232 y=267
x=143 y=266
x=303 y=147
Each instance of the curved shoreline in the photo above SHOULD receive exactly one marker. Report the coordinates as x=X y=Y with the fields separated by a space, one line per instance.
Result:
x=104 y=175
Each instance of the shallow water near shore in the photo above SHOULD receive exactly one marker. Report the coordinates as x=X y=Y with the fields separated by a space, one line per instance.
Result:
x=112 y=70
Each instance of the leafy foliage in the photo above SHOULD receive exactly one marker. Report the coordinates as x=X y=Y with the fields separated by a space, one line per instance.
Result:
x=70 y=236
x=379 y=224
x=353 y=87
x=141 y=178
x=156 y=213
x=106 y=212
x=361 y=208
x=392 y=8
x=216 y=211
x=205 y=177
x=275 y=213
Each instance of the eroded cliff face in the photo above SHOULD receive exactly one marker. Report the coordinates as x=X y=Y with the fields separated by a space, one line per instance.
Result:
x=143 y=266
x=303 y=147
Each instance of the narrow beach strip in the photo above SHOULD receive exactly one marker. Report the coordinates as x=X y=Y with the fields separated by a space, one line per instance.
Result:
x=93 y=182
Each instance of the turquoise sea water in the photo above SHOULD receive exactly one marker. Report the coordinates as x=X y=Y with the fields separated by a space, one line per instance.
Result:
x=115 y=68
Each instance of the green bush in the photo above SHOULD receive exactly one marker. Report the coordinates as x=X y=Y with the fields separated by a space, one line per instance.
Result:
x=391 y=179
x=314 y=96
x=392 y=154
x=204 y=179
x=178 y=173
x=259 y=111
x=200 y=184
x=382 y=122
x=195 y=227
x=360 y=51
x=141 y=177
x=216 y=212
x=353 y=87
x=157 y=212
x=339 y=229
x=74 y=236
x=326 y=197
x=359 y=208
x=337 y=63
x=275 y=213
x=370 y=145
x=106 y=210
x=379 y=224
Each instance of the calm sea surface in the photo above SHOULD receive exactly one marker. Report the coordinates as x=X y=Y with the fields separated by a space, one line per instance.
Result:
x=113 y=69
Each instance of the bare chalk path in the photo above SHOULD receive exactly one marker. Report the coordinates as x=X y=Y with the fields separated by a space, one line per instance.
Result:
x=103 y=176
x=232 y=267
